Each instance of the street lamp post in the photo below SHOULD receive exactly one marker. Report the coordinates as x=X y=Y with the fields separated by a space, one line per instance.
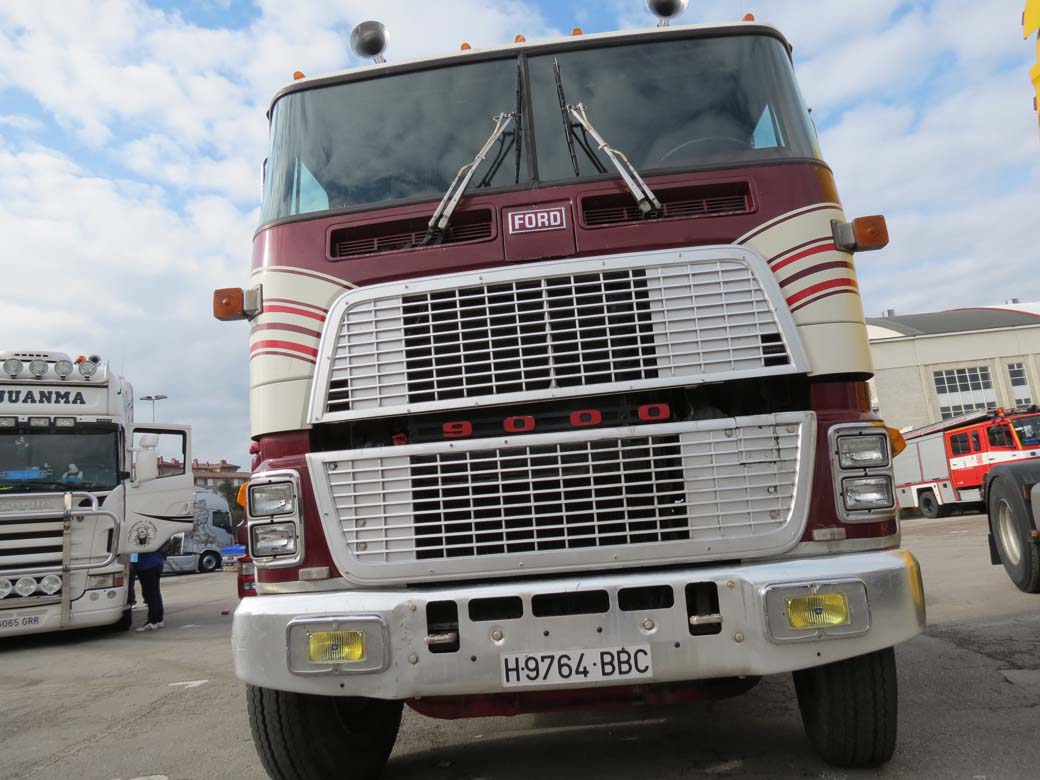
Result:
x=153 y=399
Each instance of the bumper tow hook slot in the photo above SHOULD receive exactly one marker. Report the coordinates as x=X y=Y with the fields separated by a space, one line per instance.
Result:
x=447 y=638
x=705 y=620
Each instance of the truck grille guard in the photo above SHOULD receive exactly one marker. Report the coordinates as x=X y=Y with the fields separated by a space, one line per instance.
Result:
x=17 y=522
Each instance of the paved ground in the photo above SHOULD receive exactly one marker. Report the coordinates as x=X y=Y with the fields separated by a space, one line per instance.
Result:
x=166 y=705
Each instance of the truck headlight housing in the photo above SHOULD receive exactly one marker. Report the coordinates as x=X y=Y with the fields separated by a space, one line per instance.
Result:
x=13 y=366
x=271 y=540
x=87 y=368
x=864 y=451
x=272 y=498
x=864 y=493
x=101 y=581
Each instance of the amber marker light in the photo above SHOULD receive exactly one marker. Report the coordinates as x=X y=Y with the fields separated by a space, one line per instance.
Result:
x=519 y=39
x=297 y=75
x=577 y=31
x=863 y=234
x=896 y=440
x=229 y=304
x=748 y=18
x=465 y=47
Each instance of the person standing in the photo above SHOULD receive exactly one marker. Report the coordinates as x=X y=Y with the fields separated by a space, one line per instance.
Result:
x=149 y=570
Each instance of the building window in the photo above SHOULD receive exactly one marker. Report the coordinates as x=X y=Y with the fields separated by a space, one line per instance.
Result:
x=963 y=390
x=1020 y=384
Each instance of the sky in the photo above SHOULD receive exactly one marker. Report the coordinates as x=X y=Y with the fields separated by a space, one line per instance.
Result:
x=131 y=135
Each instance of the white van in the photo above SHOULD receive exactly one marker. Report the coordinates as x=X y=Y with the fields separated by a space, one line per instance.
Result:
x=199 y=549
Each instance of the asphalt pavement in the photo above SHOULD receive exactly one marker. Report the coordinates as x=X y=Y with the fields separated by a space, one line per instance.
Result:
x=166 y=705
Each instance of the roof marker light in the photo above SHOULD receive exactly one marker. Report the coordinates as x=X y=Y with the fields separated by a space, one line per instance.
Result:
x=465 y=46
x=519 y=39
x=297 y=75
x=577 y=31
x=748 y=18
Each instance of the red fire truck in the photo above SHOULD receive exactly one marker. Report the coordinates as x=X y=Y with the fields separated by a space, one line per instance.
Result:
x=945 y=464
x=581 y=423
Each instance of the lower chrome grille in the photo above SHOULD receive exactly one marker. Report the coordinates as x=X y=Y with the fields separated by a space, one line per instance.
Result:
x=681 y=491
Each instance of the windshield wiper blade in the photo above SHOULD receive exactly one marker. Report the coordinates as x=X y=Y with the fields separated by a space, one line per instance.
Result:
x=569 y=128
x=648 y=202
x=442 y=216
x=516 y=141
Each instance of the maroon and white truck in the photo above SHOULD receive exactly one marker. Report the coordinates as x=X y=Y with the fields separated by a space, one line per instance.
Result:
x=581 y=423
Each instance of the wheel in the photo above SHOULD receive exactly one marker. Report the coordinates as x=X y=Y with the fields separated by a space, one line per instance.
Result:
x=849 y=709
x=929 y=504
x=304 y=737
x=209 y=561
x=1010 y=523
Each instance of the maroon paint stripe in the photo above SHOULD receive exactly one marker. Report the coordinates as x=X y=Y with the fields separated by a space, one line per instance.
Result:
x=293 y=310
x=789 y=217
x=803 y=304
x=291 y=346
x=297 y=303
x=776 y=257
x=286 y=326
x=820 y=287
x=278 y=353
x=815 y=270
x=802 y=255
x=298 y=272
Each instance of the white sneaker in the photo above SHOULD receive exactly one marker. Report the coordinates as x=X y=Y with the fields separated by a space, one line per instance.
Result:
x=150 y=627
x=160 y=624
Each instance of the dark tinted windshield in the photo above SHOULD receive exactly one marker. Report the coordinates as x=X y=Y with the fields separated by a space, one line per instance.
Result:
x=677 y=103
x=55 y=461
x=1028 y=430
x=669 y=104
x=389 y=138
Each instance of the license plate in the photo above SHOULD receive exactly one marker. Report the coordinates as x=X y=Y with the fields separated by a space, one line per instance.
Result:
x=577 y=666
x=20 y=621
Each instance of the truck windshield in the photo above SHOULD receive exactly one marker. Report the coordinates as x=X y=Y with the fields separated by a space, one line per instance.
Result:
x=667 y=105
x=83 y=458
x=1028 y=430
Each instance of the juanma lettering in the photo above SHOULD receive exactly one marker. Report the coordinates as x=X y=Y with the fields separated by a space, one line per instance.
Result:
x=61 y=397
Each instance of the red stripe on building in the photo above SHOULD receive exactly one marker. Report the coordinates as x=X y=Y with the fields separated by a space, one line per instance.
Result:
x=293 y=310
x=276 y=353
x=296 y=303
x=286 y=326
x=815 y=269
x=830 y=284
x=291 y=346
x=828 y=247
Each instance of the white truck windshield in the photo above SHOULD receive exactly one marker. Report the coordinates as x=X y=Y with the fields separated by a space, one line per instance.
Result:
x=55 y=460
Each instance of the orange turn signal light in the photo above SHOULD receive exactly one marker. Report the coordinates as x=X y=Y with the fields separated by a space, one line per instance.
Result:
x=863 y=234
x=243 y=492
x=465 y=47
x=896 y=440
x=748 y=18
x=577 y=31
x=297 y=75
x=229 y=304
x=519 y=39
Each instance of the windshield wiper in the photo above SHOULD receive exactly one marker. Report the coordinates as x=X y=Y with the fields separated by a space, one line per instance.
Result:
x=645 y=198
x=516 y=142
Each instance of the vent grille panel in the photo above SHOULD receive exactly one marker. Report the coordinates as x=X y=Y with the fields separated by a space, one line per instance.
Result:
x=682 y=203
x=650 y=325
x=406 y=234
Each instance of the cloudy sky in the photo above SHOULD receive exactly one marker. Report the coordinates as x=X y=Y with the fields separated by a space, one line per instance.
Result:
x=131 y=134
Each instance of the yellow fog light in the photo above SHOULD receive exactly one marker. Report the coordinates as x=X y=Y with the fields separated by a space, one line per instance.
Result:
x=817 y=610
x=336 y=647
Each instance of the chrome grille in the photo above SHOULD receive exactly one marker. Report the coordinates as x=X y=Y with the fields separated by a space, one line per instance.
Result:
x=30 y=542
x=685 y=491
x=553 y=329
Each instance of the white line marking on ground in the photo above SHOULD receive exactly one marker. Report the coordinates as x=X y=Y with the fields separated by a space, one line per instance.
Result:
x=189 y=683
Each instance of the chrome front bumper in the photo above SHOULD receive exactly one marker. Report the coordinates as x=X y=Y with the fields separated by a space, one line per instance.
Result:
x=750 y=642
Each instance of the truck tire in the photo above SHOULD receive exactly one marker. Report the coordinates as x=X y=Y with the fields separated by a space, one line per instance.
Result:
x=849 y=709
x=930 y=506
x=304 y=737
x=1011 y=523
x=209 y=561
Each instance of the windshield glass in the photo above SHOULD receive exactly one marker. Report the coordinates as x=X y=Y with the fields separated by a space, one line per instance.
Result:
x=667 y=105
x=677 y=103
x=1028 y=430
x=392 y=138
x=54 y=461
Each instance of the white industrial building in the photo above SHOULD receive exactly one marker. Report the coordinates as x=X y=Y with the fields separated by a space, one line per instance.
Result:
x=933 y=366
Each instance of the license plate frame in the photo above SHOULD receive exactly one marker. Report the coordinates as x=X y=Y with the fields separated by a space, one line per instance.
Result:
x=16 y=621
x=576 y=667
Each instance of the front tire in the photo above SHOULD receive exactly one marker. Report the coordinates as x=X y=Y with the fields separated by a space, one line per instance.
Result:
x=1010 y=522
x=930 y=506
x=849 y=709
x=209 y=561
x=304 y=737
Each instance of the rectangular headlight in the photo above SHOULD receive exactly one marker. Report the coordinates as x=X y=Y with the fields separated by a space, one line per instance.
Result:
x=867 y=492
x=336 y=647
x=65 y=422
x=273 y=539
x=101 y=581
x=8 y=422
x=862 y=452
x=39 y=422
x=272 y=498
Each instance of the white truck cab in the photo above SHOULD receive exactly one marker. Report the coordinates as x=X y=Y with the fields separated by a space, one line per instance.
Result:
x=198 y=549
x=79 y=491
